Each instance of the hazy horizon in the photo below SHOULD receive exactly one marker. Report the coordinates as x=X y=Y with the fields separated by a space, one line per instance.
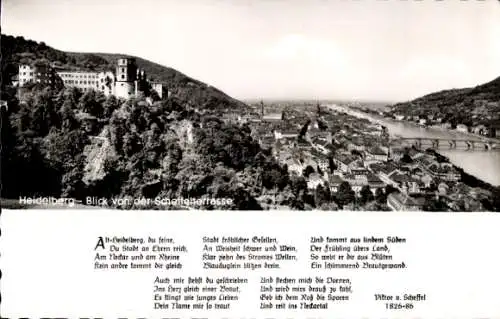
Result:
x=380 y=51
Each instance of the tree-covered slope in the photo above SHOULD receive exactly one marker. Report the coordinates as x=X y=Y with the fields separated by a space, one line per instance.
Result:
x=66 y=143
x=17 y=50
x=467 y=105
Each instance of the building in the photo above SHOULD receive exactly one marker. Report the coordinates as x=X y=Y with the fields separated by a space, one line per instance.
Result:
x=4 y=106
x=444 y=171
x=126 y=75
x=335 y=181
x=426 y=180
x=357 y=182
x=402 y=202
x=443 y=188
x=405 y=183
x=374 y=182
x=85 y=81
x=359 y=172
x=376 y=154
x=159 y=89
x=271 y=117
x=321 y=145
x=356 y=145
x=107 y=82
x=248 y=118
x=396 y=154
x=414 y=154
x=345 y=162
x=230 y=117
x=323 y=164
x=304 y=145
x=286 y=134
x=314 y=180
x=494 y=129
x=41 y=73
x=462 y=128
x=266 y=141
x=481 y=130
x=127 y=81
x=294 y=166
x=26 y=74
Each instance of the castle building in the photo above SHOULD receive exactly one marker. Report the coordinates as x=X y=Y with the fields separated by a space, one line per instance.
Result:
x=26 y=75
x=141 y=83
x=159 y=89
x=128 y=80
x=85 y=81
x=126 y=74
x=107 y=82
x=37 y=73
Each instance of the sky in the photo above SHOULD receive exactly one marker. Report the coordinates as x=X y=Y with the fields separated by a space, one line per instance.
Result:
x=393 y=50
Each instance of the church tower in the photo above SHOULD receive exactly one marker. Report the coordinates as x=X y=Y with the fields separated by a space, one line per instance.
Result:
x=126 y=75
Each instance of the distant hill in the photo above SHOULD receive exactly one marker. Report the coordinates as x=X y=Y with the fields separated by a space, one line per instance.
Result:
x=17 y=50
x=476 y=105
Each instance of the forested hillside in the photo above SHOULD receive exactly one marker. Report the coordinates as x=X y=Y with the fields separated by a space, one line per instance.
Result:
x=469 y=106
x=67 y=143
x=19 y=50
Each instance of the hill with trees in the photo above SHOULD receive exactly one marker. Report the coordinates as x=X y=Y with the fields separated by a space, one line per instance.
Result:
x=469 y=106
x=17 y=50
x=65 y=143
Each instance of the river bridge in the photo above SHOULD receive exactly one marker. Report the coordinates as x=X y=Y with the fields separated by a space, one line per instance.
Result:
x=461 y=143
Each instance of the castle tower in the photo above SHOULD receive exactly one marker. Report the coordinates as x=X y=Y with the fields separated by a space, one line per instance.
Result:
x=126 y=75
x=141 y=83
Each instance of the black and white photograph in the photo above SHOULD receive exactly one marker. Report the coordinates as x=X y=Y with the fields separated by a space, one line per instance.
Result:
x=302 y=105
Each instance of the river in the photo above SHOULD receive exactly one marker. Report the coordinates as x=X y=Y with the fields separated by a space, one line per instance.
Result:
x=483 y=164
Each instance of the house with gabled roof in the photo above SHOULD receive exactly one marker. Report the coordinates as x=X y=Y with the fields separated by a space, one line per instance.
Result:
x=375 y=153
x=334 y=181
x=403 y=202
x=345 y=162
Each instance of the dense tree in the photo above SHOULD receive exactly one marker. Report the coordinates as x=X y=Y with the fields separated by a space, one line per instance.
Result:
x=274 y=176
x=110 y=105
x=304 y=129
x=67 y=115
x=92 y=102
x=331 y=165
x=131 y=144
x=406 y=158
x=389 y=189
x=308 y=171
x=72 y=183
x=380 y=197
x=496 y=199
x=435 y=205
x=43 y=112
x=366 y=195
x=243 y=200
x=322 y=195
x=322 y=125
x=345 y=195
x=318 y=169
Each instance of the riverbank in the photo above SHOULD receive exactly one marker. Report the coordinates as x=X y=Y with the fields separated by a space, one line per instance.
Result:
x=465 y=135
x=467 y=179
x=378 y=112
x=483 y=165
